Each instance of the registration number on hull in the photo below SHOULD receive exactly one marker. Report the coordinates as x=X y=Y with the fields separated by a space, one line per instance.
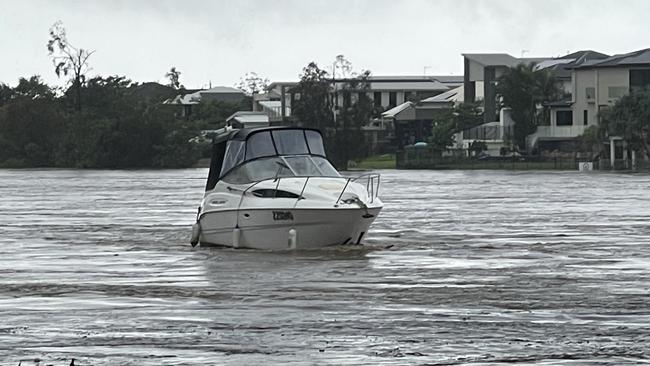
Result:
x=282 y=216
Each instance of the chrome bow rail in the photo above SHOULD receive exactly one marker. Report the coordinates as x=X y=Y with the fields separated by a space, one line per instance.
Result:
x=371 y=181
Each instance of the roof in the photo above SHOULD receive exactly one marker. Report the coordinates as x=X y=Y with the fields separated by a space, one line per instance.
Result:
x=391 y=113
x=195 y=97
x=586 y=54
x=249 y=117
x=449 y=79
x=187 y=99
x=397 y=82
x=446 y=97
x=561 y=67
x=221 y=90
x=493 y=59
x=409 y=85
x=635 y=58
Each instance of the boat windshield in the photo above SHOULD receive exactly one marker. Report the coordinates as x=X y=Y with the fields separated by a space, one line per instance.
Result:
x=271 y=143
x=281 y=166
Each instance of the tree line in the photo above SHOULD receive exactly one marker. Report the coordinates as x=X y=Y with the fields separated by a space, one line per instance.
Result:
x=100 y=122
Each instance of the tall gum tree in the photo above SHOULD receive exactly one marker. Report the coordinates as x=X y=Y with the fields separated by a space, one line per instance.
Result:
x=68 y=60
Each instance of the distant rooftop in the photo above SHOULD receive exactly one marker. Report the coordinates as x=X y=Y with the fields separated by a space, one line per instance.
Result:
x=221 y=89
x=493 y=59
x=640 y=57
x=398 y=82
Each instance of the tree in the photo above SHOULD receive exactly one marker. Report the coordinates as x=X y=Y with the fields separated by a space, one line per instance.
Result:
x=68 y=60
x=630 y=119
x=313 y=107
x=342 y=68
x=6 y=93
x=348 y=138
x=524 y=89
x=32 y=88
x=442 y=136
x=466 y=115
x=252 y=84
x=174 y=78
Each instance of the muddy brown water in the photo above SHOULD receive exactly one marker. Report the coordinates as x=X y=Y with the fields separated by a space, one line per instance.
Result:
x=460 y=268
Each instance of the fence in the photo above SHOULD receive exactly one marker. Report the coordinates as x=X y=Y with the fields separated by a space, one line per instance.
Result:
x=496 y=132
x=429 y=159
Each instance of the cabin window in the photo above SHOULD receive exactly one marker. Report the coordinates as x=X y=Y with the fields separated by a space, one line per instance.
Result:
x=303 y=165
x=315 y=142
x=290 y=142
x=325 y=167
x=259 y=145
x=274 y=193
x=279 y=167
x=234 y=155
x=260 y=169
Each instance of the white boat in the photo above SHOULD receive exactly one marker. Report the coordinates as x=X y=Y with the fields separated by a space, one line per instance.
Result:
x=273 y=188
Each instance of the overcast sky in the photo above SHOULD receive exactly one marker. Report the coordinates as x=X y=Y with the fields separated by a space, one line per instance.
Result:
x=219 y=41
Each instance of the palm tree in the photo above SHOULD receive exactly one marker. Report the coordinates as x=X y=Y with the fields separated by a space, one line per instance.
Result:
x=523 y=89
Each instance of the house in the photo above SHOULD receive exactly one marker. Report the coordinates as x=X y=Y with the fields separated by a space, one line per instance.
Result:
x=386 y=92
x=598 y=84
x=559 y=132
x=481 y=72
x=216 y=94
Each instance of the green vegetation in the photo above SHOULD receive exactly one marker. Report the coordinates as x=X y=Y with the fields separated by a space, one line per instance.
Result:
x=117 y=127
x=630 y=119
x=340 y=123
x=386 y=161
x=102 y=122
x=524 y=90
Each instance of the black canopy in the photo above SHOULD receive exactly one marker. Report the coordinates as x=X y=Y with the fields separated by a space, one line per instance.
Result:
x=235 y=148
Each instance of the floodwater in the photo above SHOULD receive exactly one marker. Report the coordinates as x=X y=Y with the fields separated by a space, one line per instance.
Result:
x=461 y=268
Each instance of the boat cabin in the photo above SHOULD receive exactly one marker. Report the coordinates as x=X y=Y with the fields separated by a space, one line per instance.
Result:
x=251 y=155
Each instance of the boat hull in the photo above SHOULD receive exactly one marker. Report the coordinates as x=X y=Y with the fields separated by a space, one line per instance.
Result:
x=278 y=229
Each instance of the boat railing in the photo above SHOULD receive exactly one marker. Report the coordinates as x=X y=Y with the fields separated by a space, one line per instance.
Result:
x=371 y=181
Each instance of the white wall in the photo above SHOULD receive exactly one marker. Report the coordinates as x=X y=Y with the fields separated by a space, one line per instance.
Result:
x=475 y=71
x=583 y=79
x=611 y=77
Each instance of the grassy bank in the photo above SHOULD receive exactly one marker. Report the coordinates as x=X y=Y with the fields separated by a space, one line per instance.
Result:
x=386 y=161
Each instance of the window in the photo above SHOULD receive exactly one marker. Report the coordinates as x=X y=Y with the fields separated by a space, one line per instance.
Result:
x=408 y=96
x=289 y=142
x=259 y=144
x=347 y=99
x=590 y=92
x=615 y=92
x=392 y=99
x=259 y=169
x=376 y=97
x=274 y=167
x=315 y=142
x=234 y=155
x=563 y=118
x=639 y=79
x=585 y=120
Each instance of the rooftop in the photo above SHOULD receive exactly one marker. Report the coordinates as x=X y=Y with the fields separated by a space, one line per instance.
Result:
x=640 y=57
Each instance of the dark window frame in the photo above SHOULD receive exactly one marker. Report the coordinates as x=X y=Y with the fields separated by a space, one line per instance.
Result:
x=565 y=120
